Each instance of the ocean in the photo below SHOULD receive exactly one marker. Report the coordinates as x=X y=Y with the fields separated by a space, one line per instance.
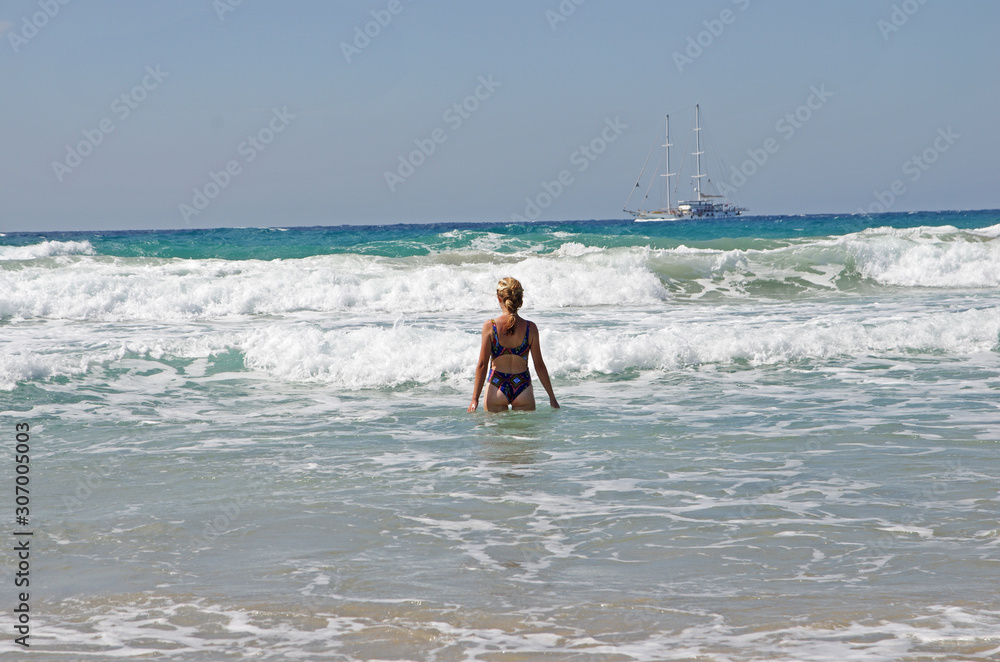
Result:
x=778 y=440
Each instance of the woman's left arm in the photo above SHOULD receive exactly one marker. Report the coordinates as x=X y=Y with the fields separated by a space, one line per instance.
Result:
x=540 y=369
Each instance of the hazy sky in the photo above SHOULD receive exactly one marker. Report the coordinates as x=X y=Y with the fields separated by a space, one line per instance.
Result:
x=194 y=113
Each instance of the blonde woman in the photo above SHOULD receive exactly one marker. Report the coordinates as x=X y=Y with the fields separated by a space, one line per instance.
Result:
x=508 y=339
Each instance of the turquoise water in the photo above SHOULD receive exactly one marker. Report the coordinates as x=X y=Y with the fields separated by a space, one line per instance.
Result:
x=425 y=239
x=778 y=440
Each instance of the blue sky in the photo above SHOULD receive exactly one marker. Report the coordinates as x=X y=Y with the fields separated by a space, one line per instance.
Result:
x=194 y=113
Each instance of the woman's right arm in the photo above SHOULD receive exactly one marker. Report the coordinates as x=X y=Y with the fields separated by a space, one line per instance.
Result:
x=481 y=366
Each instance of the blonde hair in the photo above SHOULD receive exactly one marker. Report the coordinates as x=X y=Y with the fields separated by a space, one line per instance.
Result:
x=511 y=296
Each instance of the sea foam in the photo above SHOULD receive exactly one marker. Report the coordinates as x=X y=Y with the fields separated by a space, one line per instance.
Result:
x=381 y=356
x=927 y=257
x=122 y=289
x=46 y=249
x=106 y=288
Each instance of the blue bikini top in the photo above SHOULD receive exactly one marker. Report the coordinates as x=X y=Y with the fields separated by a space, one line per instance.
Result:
x=496 y=349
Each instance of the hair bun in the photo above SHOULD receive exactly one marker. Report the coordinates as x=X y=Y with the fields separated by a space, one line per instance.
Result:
x=512 y=295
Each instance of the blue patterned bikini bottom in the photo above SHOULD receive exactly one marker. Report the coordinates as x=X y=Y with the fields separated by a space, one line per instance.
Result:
x=510 y=385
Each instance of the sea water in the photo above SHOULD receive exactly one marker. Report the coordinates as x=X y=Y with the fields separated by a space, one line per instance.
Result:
x=778 y=440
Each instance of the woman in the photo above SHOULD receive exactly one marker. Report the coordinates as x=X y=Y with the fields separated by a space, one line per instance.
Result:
x=510 y=381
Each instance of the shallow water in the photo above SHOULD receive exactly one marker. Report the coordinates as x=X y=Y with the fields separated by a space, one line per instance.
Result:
x=778 y=440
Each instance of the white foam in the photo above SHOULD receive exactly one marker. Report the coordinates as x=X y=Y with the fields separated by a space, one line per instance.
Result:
x=573 y=276
x=943 y=257
x=927 y=257
x=119 y=289
x=629 y=629
x=382 y=356
x=575 y=249
x=46 y=249
x=26 y=366
x=991 y=231
x=367 y=357
x=762 y=342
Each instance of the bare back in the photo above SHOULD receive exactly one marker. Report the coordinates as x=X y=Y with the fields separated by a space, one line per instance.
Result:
x=511 y=363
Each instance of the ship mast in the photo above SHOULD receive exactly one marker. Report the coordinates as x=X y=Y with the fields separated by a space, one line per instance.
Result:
x=666 y=145
x=697 y=150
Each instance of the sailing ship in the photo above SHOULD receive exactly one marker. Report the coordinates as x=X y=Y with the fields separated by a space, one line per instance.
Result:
x=703 y=205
